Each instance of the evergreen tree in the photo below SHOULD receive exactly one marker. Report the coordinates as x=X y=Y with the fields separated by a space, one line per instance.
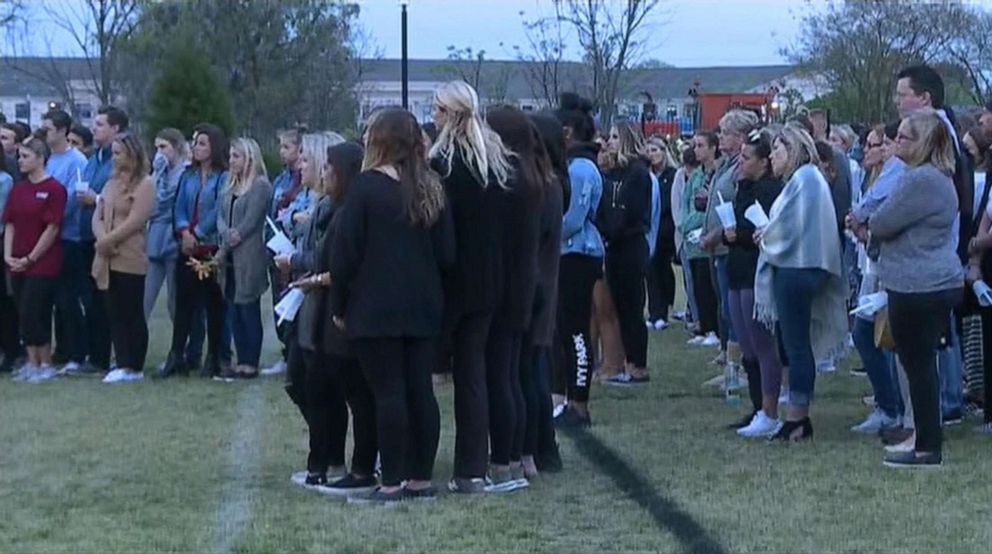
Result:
x=187 y=93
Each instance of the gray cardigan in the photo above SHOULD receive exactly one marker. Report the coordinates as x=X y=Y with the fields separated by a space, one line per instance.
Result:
x=915 y=231
x=249 y=259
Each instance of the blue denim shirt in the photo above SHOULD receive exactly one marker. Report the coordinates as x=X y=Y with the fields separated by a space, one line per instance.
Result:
x=303 y=202
x=160 y=243
x=579 y=234
x=282 y=182
x=190 y=192
x=97 y=172
x=6 y=183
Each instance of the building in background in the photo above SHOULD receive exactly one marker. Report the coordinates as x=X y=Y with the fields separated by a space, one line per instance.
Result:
x=31 y=86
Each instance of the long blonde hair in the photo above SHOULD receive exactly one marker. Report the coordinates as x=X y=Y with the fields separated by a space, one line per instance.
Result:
x=801 y=148
x=932 y=143
x=314 y=146
x=254 y=165
x=631 y=142
x=464 y=131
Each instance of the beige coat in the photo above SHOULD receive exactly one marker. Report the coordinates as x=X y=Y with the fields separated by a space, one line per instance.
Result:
x=119 y=225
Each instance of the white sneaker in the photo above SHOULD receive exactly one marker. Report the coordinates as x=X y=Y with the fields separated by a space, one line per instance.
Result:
x=710 y=340
x=275 y=369
x=783 y=396
x=825 y=366
x=907 y=445
x=660 y=325
x=696 y=340
x=649 y=324
x=24 y=372
x=132 y=376
x=716 y=381
x=115 y=376
x=559 y=409
x=761 y=426
x=42 y=374
x=68 y=368
x=875 y=421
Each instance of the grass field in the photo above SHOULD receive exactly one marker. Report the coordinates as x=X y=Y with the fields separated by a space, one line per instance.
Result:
x=197 y=466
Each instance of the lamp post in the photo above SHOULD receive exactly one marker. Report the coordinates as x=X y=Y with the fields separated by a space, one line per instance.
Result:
x=404 y=70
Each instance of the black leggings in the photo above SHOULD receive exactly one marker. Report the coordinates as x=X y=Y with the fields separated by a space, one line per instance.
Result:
x=324 y=410
x=35 y=298
x=126 y=313
x=626 y=266
x=468 y=344
x=706 y=300
x=407 y=418
x=917 y=322
x=362 y=403
x=191 y=294
x=10 y=339
x=576 y=278
x=661 y=285
x=507 y=408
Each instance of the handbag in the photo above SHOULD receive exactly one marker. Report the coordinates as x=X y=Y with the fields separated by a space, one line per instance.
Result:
x=883 y=330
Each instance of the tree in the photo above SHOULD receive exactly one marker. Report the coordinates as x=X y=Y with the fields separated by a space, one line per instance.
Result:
x=97 y=27
x=612 y=36
x=544 y=55
x=9 y=12
x=464 y=64
x=971 y=50
x=187 y=93
x=859 y=46
x=282 y=62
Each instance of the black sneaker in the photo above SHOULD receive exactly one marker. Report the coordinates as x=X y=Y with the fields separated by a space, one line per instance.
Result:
x=379 y=497
x=420 y=495
x=909 y=460
x=466 y=485
x=954 y=417
x=572 y=419
x=315 y=479
x=350 y=485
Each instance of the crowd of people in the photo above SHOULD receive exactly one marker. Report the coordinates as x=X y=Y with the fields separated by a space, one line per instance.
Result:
x=526 y=254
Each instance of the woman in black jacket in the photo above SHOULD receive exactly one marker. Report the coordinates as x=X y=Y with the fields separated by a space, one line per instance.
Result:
x=759 y=351
x=624 y=219
x=474 y=168
x=661 y=276
x=392 y=239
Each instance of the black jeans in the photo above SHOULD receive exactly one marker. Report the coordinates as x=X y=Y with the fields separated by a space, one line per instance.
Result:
x=576 y=278
x=362 y=403
x=192 y=294
x=917 y=321
x=409 y=424
x=661 y=285
x=706 y=299
x=84 y=327
x=471 y=397
x=125 y=310
x=506 y=403
x=626 y=266
x=536 y=386
x=325 y=411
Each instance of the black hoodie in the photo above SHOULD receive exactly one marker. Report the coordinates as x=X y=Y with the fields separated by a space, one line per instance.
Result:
x=625 y=209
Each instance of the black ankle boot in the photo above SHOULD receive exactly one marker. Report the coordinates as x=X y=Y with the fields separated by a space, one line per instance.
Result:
x=794 y=431
x=212 y=367
x=174 y=365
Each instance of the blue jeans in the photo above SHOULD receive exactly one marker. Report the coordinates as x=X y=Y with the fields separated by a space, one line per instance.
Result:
x=723 y=289
x=949 y=365
x=245 y=323
x=794 y=290
x=878 y=365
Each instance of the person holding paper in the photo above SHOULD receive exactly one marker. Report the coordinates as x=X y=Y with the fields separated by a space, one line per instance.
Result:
x=120 y=262
x=759 y=354
x=798 y=283
x=162 y=248
x=242 y=254
x=197 y=202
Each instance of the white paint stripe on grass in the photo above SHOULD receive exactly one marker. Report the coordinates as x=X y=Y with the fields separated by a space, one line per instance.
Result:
x=234 y=512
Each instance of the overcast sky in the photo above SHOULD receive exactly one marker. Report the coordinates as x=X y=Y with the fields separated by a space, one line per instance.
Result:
x=681 y=32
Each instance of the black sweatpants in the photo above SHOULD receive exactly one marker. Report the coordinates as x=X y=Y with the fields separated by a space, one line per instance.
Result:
x=324 y=410
x=407 y=417
x=661 y=285
x=506 y=403
x=706 y=299
x=626 y=266
x=536 y=385
x=576 y=277
x=917 y=321
x=359 y=396
x=468 y=343
x=191 y=294
x=124 y=300
x=10 y=338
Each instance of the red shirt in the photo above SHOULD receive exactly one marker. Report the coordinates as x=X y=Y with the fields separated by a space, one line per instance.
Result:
x=31 y=207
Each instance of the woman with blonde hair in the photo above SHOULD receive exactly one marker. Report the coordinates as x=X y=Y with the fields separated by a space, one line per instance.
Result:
x=474 y=167
x=798 y=283
x=120 y=262
x=920 y=270
x=661 y=276
x=241 y=224
x=624 y=219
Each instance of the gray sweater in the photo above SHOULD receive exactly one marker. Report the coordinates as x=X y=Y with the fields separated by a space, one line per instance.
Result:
x=246 y=214
x=914 y=228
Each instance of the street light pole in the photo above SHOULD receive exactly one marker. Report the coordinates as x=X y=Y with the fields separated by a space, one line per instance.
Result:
x=404 y=61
